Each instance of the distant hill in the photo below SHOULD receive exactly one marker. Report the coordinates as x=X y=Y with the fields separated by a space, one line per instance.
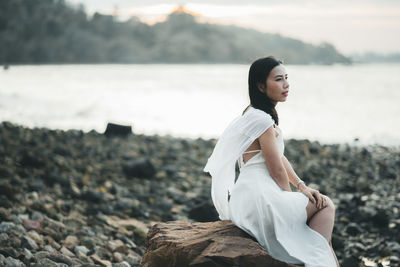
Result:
x=50 y=31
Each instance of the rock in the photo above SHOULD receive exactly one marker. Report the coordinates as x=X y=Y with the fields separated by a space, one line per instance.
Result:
x=6 y=226
x=353 y=229
x=118 y=257
x=96 y=259
x=66 y=252
x=133 y=260
x=31 y=224
x=71 y=242
x=121 y=264
x=49 y=263
x=84 y=250
x=58 y=257
x=141 y=168
x=204 y=212
x=381 y=218
x=221 y=243
x=11 y=262
x=29 y=243
x=117 y=129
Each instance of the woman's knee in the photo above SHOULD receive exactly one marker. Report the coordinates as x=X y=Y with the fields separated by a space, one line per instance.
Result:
x=329 y=204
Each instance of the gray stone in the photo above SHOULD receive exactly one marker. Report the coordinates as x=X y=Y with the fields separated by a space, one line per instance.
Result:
x=49 y=263
x=81 y=249
x=11 y=262
x=121 y=264
x=28 y=255
x=27 y=242
x=41 y=254
x=6 y=226
x=133 y=260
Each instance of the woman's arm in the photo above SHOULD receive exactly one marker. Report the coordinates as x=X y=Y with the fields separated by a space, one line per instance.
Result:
x=312 y=194
x=293 y=178
x=273 y=160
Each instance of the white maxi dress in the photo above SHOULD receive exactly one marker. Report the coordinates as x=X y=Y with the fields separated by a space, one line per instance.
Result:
x=274 y=217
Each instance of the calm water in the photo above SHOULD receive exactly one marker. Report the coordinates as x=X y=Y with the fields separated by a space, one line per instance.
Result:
x=329 y=104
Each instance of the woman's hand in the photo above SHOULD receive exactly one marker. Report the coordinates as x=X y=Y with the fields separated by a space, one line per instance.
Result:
x=314 y=195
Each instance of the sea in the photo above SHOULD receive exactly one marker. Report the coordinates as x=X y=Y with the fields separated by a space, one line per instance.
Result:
x=357 y=104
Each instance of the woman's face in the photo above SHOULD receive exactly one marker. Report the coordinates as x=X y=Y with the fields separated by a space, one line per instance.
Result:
x=277 y=84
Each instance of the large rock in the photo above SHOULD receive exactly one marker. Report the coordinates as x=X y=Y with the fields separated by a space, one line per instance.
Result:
x=221 y=243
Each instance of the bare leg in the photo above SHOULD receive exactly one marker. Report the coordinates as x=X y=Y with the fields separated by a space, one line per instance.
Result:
x=322 y=220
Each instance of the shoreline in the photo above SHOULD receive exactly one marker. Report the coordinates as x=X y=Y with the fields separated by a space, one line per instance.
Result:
x=68 y=189
x=356 y=142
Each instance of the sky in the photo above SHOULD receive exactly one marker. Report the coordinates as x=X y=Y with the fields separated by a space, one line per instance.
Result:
x=356 y=26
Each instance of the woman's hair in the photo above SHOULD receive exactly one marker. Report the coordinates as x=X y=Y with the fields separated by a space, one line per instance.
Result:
x=258 y=73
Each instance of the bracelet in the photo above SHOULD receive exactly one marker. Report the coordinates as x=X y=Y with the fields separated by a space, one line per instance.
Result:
x=299 y=182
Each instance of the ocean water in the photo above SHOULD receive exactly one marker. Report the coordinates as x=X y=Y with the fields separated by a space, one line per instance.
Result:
x=356 y=104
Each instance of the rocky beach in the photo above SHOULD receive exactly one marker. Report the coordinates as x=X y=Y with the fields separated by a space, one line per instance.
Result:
x=70 y=198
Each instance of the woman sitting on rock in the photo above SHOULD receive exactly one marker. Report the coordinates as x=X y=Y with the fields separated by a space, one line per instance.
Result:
x=294 y=227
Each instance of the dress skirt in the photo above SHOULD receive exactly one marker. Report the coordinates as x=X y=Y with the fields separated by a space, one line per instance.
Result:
x=276 y=218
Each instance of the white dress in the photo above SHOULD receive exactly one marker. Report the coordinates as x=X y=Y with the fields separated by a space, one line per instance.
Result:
x=274 y=217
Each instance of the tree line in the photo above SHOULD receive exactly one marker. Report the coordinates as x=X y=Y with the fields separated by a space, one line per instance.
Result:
x=51 y=31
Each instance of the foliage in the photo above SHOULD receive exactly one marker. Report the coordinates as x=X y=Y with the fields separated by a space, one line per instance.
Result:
x=50 y=31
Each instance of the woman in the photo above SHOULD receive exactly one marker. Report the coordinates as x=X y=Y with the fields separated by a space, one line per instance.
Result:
x=295 y=227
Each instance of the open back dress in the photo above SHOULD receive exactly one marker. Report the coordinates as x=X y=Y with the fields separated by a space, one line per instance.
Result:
x=274 y=217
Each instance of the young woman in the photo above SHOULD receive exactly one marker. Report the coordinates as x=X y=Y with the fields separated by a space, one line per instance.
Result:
x=294 y=227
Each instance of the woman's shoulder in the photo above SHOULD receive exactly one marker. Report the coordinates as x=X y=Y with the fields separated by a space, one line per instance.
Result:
x=257 y=114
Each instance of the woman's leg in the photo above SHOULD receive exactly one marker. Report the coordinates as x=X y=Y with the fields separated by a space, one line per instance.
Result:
x=322 y=220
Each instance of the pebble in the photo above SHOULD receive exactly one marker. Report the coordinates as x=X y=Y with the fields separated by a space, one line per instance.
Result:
x=81 y=249
x=88 y=199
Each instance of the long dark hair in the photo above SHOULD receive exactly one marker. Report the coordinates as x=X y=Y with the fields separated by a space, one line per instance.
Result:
x=258 y=73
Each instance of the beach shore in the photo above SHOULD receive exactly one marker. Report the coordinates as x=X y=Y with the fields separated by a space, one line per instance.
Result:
x=87 y=198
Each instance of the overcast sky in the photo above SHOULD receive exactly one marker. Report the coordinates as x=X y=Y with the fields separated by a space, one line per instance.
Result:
x=352 y=26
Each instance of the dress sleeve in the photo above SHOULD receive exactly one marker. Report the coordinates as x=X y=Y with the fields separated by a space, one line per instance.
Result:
x=236 y=138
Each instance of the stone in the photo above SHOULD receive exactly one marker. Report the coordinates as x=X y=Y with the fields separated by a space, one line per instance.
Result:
x=121 y=264
x=58 y=257
x=204 y=212
x=117 y=257
x=117 y=129
x=220 y=243
x=6 y=226
x=353 y=229
x=11 y=262
x=71 y=242
x=27 y=242
x=96 y=259
x=81 y=249
x=31 y=224
x=133 y=260
x=66 y=252
x=141 y=168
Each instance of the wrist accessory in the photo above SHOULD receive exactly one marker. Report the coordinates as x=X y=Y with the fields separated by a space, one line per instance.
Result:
x=299 y=182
